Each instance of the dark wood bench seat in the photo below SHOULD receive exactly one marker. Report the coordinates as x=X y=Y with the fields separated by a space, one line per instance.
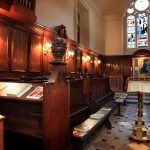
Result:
x=96 y=102
x=120 y=100
x=79 y=114
x=84 y=132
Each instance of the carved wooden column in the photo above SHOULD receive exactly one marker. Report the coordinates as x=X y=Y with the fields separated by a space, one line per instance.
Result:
x=56 y=103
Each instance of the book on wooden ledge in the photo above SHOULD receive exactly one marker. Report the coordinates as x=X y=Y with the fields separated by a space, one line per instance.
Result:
x=96 y=116
x=17 y=89
x=86 y=125
x=3 y=85
x=37 y=93
x=78 y=133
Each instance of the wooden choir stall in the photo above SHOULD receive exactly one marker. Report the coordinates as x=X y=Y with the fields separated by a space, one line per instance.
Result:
x=49 y=84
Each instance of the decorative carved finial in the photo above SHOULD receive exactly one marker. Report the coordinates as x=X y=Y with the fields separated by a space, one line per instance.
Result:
x=61 y=31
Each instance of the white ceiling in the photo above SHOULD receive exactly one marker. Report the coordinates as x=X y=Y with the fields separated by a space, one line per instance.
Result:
x=110 y=7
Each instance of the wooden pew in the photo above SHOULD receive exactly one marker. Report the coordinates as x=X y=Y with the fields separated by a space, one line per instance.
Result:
x=45 y=119
x=102 y=104
x=79 y=108
x=97 y=91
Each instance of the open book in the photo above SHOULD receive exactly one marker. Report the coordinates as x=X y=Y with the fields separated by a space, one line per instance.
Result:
x=17 y=89
x=37 y=93
x=3 y=85
x=138 y=86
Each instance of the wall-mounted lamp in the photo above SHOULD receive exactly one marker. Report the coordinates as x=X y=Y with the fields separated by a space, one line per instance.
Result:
x=47 y=47
x=88 y=58
x=99 y=61
x=70 y=54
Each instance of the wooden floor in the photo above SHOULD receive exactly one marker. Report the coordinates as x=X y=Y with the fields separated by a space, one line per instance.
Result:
x=118 y=137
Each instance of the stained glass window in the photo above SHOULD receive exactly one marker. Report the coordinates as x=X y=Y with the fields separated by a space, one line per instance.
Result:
x=131 y=31
x=137 y=24
x=142 y=36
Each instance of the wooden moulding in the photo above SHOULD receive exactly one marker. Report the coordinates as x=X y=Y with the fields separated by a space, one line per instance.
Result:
x=141 y=53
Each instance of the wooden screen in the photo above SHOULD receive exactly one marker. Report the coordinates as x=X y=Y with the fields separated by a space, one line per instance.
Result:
x=3 y=47
x=35 y=62
x=19 y=50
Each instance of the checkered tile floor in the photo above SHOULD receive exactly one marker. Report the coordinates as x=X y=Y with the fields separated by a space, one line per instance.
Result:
x=118 y=137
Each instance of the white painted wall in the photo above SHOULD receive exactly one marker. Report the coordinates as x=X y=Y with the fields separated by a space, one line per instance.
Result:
x=113 y=42
x=56 y=12
x=95 y=27
x=96 y=34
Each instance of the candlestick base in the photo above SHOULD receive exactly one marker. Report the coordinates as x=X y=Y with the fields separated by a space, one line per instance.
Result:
x=139 y=130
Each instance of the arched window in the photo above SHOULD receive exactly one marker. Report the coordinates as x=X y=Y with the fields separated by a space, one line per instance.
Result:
x=137 y=24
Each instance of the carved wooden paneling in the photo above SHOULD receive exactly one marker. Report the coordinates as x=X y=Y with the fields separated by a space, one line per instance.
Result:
x=1 y=133
x=47 y=58
x=90 y=65
x=115 y=65
x=127 y=64
x=79 y=61
x=71 y=63
x=19 y=45
x=35 y=61
x=3 y=48
x=116 y=82
x=96 y=67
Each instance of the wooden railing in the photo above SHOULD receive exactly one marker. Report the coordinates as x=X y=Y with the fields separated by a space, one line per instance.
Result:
x=30 y=4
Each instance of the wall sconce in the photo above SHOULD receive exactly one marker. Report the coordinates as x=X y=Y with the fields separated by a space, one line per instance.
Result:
x=88 y=58
x=99 y=61
x=70 y=54
x=83 y=58
x=47 y=48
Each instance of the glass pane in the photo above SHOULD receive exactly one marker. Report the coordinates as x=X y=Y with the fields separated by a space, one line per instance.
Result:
x=130 y=10
x=142 y=35
x=131 y=32
x=141 y=5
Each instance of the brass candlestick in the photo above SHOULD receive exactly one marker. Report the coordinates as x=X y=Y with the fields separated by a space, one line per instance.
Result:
x=139 y=130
